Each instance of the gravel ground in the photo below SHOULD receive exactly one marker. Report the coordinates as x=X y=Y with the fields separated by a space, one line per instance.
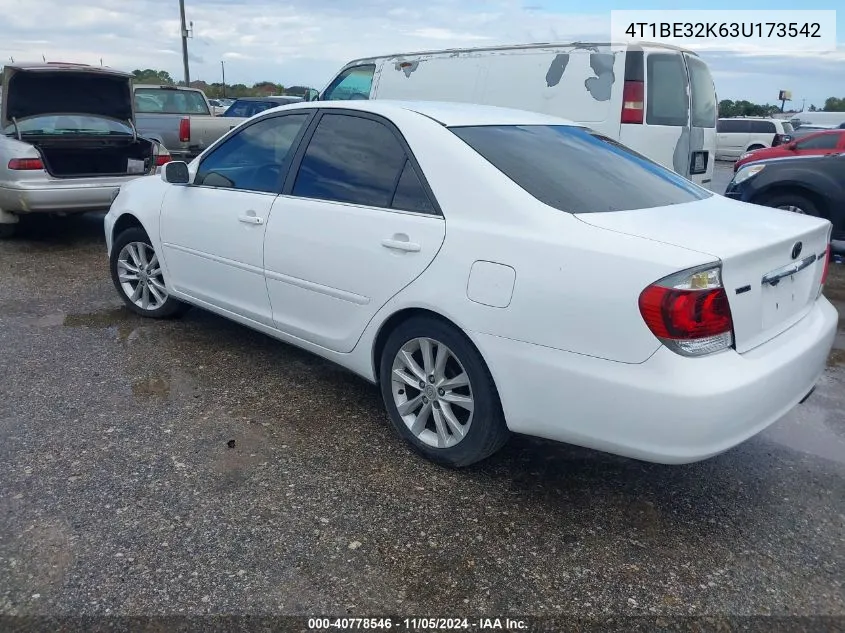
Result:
x=195 y=466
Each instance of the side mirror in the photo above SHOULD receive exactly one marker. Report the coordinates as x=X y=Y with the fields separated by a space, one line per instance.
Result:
x=176 y=173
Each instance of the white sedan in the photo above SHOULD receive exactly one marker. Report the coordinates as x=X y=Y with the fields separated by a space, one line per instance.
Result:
x=494 y=271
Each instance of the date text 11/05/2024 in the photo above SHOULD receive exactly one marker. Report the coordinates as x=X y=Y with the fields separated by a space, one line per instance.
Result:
x=417 y=624
x=704 y=30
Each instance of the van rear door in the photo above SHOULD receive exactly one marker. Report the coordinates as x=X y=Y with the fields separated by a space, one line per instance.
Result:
x=703 y=113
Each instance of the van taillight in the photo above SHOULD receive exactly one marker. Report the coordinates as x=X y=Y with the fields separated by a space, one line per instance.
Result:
x=632 y=102
x=185 y=130
x=689 y=312
x=26 y=164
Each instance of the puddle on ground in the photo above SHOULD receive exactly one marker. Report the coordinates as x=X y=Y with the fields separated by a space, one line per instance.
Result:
x=151 y=388
x=836 y=358
x=102 y=318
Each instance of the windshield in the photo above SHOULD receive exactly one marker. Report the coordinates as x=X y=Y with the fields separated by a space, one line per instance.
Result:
x=577 y=170
x=69 y=124
x=169 y=101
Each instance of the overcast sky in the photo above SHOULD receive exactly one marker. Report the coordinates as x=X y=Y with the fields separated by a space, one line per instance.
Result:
x=296 y=42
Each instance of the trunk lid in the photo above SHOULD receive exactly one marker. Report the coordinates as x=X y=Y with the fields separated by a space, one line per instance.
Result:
x=31 y=90
x=771 y=283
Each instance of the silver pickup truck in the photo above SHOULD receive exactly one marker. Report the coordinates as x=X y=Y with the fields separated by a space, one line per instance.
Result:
x=179 y=118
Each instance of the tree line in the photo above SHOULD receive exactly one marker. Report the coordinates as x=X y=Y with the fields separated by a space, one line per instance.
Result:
x=217 y=90
x=728 y=108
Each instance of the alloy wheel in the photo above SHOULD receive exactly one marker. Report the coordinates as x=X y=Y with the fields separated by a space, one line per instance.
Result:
x=432 y=392
x=140 y=276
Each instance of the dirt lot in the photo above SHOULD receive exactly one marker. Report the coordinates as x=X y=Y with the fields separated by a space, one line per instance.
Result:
x=195 y=466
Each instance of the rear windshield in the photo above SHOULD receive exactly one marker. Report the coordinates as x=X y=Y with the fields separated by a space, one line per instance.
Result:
x=577 y=170
x=787 y=128
x=168 y=101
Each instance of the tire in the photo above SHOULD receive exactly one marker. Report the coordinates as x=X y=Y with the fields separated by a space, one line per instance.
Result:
x=479 y=433
x=161 y=304
x=792 y=202
x=7 y=231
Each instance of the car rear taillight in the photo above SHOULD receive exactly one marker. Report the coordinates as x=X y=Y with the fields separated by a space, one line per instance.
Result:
x=689 y=312
x=163 y=159
x=781 y=139
x=185 y=130
x=825 y=269
x=26 y=164
x=632 y=102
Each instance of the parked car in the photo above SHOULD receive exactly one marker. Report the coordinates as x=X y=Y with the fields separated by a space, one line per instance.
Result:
x=806 y=130
x=68 y=140
x=809 y=185
x=819 y=143
x=834 y=119
x=246 y=107
x=581 y=293
x=179 y=118
x=737 y=136
x=217 y=107
x=658 y=100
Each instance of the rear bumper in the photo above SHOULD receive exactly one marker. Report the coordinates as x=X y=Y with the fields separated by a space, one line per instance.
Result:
x=669 y=409
x=55 y=195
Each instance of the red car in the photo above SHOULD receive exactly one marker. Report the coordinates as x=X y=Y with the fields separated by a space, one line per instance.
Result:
x=827 y=142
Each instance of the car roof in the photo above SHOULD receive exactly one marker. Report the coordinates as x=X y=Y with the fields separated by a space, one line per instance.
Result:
x=587 y=46
x=65 y=67
x=448 y=113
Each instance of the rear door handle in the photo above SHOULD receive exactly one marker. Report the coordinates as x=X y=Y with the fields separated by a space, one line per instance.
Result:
x=250 y=218
x=401 y=245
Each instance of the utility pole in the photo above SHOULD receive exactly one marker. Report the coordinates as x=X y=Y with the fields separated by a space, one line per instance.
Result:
x=223 y=67
x=184 y=43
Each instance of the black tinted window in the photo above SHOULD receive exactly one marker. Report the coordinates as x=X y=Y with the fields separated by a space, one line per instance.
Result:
x=410 y=195
x=350 y=159
x=577 y=170
x=248 y=108
x=823 y=141
x=732 y=126
x=703 y=94
x=667 y=102
x=763 y=127
x=255 y=158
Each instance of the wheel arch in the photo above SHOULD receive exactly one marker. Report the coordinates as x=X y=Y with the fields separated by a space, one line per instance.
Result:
x=126 y=221
x=800 y=189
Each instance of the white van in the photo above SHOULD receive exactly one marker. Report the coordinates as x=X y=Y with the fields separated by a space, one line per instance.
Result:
x=638 y=94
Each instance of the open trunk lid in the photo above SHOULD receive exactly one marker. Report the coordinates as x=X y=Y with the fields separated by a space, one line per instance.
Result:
x=31 y=90
x=772 y=260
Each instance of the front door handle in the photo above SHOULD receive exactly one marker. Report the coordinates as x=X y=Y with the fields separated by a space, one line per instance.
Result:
x=250 y=218
x=401 y=244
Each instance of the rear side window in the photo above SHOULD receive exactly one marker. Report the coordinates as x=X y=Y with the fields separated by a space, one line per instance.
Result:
x=359 y=161
x=666 y=86
x=352 y=83
x=577 y=170
x=732 y=126
x=762 y=127
x=703 y=94
x=169 y=101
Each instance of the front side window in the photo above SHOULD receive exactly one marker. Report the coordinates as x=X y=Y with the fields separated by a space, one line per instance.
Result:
x=822 y=141
x=352 y=83
x=167 y=101
x=703 y=94
x=577 y=170
x=255 y=158
x=666 y=85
